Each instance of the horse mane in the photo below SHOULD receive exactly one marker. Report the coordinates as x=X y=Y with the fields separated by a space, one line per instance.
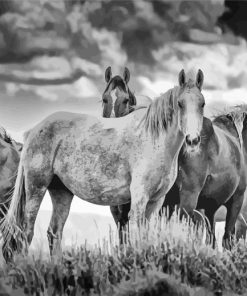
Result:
x=160 y=113
x=5 y=136
x=237 y=114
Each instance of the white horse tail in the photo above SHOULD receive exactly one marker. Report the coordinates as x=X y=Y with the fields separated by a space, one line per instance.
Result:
x=13 y=223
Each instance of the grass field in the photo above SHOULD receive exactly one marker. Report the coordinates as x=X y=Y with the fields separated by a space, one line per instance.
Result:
x=165 y=258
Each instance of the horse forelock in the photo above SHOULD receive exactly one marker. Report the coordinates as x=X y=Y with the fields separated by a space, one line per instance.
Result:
x=116 y=81
x=190 y=84
x=160 y=112
x=190 y=80
x=191 y=75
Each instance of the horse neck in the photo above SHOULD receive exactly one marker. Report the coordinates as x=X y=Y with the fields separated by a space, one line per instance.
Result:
x=171 y=140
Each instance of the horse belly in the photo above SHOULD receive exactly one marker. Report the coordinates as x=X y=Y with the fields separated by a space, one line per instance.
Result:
x=220 y=187
x=94 y=179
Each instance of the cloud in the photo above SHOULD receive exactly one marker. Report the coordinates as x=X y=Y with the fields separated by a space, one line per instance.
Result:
x=224 y=65
x=110 y=47
x=84 y=88
x=88 y=67
x=57 y=65
x=156 y=87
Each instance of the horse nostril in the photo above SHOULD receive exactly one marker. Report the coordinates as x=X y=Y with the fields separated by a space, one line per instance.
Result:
x=196 y=140
x=188 y=140
x=192 y=142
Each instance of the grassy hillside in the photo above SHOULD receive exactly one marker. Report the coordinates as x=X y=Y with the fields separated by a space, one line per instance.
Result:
x=165 y=258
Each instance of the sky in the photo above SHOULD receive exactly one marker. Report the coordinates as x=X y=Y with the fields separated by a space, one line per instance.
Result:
x=43 y=42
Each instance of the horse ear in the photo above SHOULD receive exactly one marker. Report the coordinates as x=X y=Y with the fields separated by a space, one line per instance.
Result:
x=126 y=75
x=199 y=79
x=181 y=78
x=108 y=74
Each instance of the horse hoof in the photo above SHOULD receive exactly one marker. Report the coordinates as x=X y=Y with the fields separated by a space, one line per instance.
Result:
x=226 y=244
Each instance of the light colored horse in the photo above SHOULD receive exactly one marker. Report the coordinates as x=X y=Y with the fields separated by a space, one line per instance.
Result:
x=103 y=161
x=192 y=92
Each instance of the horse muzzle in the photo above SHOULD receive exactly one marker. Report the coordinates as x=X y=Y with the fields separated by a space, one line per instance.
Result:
x=192 y=144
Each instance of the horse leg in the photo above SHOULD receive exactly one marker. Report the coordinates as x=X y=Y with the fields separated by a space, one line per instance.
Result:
x=188 y=201
x=241 y=228
x=120 y=216
x=210 y=207
x=34 y=197
x=233 y=209
x=241 y=224
x=153 y=207
x=171 y=200
x=139 y=200
x=61 y=198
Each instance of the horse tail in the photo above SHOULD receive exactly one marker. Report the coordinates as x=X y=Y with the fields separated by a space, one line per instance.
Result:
x=12 y=225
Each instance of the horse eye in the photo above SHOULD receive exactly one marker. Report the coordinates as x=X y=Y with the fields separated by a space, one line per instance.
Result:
x=105 y=100
x=180 y=105
x=126 y=101
x=203 y=104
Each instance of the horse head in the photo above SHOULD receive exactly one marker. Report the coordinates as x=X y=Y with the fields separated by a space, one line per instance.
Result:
x=191 y=104
x=117 y=98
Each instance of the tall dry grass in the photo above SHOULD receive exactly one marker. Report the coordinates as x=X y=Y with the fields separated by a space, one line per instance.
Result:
x=164 y=258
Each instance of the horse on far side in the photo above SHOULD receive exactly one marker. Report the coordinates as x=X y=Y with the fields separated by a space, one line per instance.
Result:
x=117 y=99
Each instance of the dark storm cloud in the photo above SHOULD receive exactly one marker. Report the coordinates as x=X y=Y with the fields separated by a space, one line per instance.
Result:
x=145 y=26
x=234 y=17
x=33 y=28
x=47 y=40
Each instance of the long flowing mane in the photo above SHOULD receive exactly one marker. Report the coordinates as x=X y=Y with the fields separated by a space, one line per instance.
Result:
x=237 y=114
x=160 y=113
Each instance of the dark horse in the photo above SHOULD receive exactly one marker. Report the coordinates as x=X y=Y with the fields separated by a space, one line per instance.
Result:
x=215 y=176
x=118 y=100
